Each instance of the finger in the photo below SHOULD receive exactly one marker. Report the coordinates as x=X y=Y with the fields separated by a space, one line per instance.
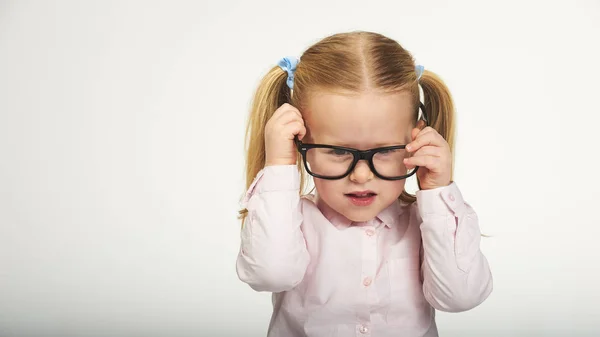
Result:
x=423 y=139
x=430 y=162
x=289 y=107
x=428 y=150
x=287 y=117
x=290 y=119
x=295 y=128
x=295 y=123
x=426 y=130
x=431 y=151
x=416 y=132
x=285 y=110
x=295 y=111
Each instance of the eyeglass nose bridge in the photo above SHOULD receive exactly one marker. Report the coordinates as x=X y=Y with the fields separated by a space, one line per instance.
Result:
x=363 y=155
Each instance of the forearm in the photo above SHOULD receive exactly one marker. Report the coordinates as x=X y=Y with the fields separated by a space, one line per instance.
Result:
x=456 y=274
x=273 y=255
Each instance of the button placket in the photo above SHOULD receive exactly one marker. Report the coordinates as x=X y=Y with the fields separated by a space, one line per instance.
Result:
x=364 y=330
x=369 y=256
x=369 y=265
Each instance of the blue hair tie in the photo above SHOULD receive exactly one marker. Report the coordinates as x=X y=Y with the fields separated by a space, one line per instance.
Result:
x=419 y=70
x=289 y=64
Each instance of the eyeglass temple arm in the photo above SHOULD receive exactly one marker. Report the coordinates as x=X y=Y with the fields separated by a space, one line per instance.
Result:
x=297 y=142
x=423 y=115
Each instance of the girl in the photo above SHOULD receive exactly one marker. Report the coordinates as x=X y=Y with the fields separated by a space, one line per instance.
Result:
x=360 y=256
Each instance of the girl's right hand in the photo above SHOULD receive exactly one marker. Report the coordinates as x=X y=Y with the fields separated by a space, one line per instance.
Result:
x=280 y=131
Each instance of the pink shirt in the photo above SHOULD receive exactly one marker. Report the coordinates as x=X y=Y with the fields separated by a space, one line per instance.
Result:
x=384 y=277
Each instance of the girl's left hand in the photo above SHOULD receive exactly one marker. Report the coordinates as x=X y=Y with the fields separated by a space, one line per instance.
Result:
x=431 y=153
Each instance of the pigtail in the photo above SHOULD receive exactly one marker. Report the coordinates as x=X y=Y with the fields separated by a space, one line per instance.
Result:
x=439 y=106
x=439 y=109
x=271 y=93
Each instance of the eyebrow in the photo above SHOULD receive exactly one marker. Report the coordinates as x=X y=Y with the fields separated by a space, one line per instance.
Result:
x=372 y=146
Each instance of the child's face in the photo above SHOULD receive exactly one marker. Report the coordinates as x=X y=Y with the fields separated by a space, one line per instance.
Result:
x=362 y=121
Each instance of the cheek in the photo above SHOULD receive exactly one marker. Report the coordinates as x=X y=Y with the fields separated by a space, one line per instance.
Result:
x=327 y=188
x=392 y=187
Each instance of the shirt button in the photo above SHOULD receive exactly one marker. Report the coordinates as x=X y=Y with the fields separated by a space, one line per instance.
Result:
x=370 y=232
x=363 y=329
x=367 y=281
x=451 y=197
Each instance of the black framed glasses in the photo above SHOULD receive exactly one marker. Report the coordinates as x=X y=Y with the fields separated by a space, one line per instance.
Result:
x=336 y=162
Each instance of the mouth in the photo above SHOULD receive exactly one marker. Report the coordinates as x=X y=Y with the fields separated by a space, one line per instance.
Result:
x=361 y=198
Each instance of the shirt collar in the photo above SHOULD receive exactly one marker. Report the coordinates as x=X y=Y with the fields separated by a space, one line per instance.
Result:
x=388 y=216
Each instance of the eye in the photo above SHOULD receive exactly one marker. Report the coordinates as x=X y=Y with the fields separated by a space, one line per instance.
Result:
x=386 y=152
x=338 y=152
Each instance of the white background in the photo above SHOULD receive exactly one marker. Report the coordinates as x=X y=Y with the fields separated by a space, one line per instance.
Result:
x=121 y=156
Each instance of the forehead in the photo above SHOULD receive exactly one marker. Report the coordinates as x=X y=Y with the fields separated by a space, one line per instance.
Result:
x=365 y=119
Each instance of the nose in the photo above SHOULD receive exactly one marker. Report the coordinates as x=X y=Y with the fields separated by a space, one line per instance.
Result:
x=361 y=173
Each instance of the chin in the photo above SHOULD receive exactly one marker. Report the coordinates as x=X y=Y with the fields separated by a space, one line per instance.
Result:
x=361 y=216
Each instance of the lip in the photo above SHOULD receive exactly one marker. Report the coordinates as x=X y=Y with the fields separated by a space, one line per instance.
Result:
x=361 y=192
x=361 y=201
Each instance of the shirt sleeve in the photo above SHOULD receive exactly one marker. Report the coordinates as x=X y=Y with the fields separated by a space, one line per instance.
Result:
x=273 y=255
x=456 y=274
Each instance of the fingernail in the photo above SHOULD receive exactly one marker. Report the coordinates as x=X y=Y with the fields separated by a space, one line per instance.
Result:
x=408 y=147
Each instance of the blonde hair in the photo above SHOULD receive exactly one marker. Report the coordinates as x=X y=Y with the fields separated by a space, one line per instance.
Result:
x=355 y=61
